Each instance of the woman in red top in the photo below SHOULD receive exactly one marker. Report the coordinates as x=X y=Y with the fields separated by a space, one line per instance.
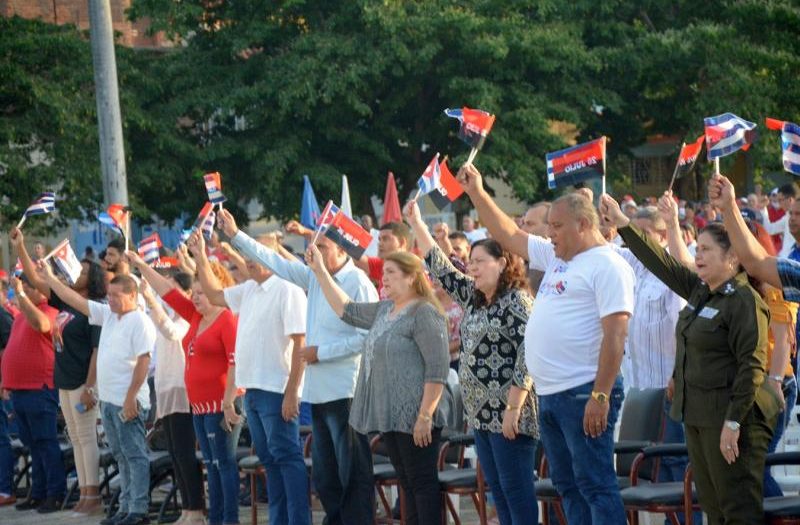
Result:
x=209 y=347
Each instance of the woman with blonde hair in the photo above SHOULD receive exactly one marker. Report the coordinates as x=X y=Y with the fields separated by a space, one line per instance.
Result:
x=403 y=370
x=209 y=348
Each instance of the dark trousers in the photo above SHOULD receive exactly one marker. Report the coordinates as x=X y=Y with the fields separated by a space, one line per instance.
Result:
x=731 y=494
x=342 y=461
x=6 y=453
x=771 y=487
x=36 y=412
x=419 y=478
x=179 y=431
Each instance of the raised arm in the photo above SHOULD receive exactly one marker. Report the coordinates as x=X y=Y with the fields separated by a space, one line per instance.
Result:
x=211 y=286
x=292 y=271
x=35 y=317
x=236 y=259
x=668 y=209
x=64 y=292
x=185 y=263
x=336 y=297
x=28 y=266
x=160 y=284
x=501 y=226
x=441 y=233
x=751 y=254
x=425 y=241
x=676 y=276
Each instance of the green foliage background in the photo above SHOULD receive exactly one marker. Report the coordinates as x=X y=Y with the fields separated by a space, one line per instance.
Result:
x=357 y=87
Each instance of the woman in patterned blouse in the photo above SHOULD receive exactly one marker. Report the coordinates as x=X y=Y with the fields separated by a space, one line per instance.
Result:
x=499 y=400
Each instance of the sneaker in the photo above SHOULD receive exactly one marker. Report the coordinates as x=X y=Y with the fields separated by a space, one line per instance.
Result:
x=134 y=518
x=50 y=505
x=6 y=499
x=29 y=504
x=113 y=520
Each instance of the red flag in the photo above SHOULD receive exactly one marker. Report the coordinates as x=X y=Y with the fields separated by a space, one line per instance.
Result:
x=448 y=190
x=688 y=156
x=576 y=164
x=348 y=234
x=207 y=208
x=391 y=203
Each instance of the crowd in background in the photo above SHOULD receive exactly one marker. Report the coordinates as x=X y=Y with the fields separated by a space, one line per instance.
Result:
x=542 y=323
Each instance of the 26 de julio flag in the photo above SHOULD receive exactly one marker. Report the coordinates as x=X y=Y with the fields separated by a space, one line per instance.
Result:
x=114 y=218
x=148 y=248
x=214 y=187
x=790 y=143
x=688 y=156
x=327 y=215
x=576 y=164
x=66 y=261
x=44 y=203
x=726 y=134
x=348 y=234
x=475 y=125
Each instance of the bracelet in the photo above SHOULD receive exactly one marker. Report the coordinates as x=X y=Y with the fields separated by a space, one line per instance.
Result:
x=425 y=417
x=513 y=407
x=776 y=377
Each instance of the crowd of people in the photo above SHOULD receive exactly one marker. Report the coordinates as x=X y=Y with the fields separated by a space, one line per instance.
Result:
x=542 y=321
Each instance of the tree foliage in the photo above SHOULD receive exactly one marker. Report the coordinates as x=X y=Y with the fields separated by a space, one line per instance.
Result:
x=265 y=91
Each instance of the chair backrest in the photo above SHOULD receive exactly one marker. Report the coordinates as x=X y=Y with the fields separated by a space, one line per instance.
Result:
x=642 y=420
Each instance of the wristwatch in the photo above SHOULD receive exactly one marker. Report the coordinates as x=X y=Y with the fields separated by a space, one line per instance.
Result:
x=600 y=397
x=777 y=377
x=89 y=390
x=733 y=425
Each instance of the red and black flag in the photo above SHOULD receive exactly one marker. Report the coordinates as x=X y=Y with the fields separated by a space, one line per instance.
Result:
x=348 y=234
x=688 y=156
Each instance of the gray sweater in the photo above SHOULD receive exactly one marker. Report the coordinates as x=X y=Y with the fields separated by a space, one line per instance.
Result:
x=401 y=354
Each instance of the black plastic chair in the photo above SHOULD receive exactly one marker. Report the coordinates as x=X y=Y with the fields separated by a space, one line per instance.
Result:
x=783 y=510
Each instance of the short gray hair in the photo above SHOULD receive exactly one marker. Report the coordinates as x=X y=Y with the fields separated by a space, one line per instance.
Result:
x=580 y=208
x=651 y=214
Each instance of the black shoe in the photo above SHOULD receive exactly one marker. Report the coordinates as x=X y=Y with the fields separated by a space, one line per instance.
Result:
x=134 y=519
x=29 y=504
x=50 y=505
x=113 y=520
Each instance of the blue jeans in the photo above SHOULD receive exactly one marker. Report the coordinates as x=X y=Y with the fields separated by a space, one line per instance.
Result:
x=219 y=456
x=582 y=467
x=129 y=448
x=6 y=453
x=674 y=468
x=36 y=412
x=771 y=487
x=277 y=443
x=508 y=466
x=342 y=461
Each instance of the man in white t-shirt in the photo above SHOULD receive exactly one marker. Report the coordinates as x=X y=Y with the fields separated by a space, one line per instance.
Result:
x=123 y=357
x=574 y=342
x=269 y=336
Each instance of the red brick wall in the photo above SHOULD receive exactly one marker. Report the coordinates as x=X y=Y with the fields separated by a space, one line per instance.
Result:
x=76 y=12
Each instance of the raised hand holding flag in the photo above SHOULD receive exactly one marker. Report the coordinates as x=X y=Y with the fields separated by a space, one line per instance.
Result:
x=44 y=203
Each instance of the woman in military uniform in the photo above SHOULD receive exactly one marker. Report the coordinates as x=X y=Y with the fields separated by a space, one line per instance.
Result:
x=720 y=394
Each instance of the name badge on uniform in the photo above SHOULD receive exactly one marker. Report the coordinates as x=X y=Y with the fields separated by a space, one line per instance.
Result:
x=708 y=312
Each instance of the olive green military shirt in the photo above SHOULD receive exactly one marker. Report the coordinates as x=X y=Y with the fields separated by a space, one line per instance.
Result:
x=721 y=351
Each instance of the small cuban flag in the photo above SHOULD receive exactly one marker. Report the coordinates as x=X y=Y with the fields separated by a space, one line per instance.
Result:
x=207 y=226
x=214 y=187
x=44 y=203
x=66 y=261
x=726 y=134
x=149 y=248
x=429 y=180
x=790 y=143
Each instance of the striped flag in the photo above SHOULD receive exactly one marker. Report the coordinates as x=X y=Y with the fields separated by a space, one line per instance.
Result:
x=114 y=218
x=18 y=270
x=790 y=143
x=44 y=203
x=429 y=180
x=214 y=187
x=207 y=227
x=726 y=134
x=148 y=248
x=201 y=217
x=327 y=215
x=576 y=164
x=185 y=235
x=475 y=125
x=66 y=261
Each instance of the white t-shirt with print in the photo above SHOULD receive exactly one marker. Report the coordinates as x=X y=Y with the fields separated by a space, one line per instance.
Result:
x=268 y=314
x=122 y=341
x=564 y=331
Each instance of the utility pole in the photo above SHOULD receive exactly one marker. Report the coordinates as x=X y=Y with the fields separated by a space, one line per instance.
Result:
x=109 y=118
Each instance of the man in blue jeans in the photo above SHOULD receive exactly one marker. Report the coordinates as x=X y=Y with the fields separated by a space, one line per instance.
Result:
x=269 y=335
x=587 y=292
x=342 y=459
x=123 y=358
x=7 y=494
